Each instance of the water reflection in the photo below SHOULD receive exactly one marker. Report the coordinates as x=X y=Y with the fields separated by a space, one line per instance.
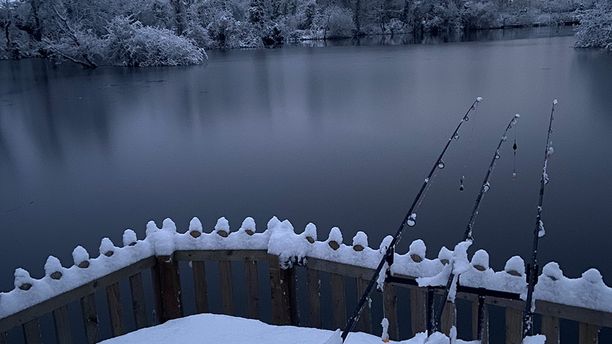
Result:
x=338 y=136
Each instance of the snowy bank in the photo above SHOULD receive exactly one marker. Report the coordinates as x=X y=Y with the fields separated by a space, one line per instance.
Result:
x=281 y=239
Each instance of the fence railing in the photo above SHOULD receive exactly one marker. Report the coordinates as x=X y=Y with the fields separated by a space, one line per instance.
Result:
x=317 y=293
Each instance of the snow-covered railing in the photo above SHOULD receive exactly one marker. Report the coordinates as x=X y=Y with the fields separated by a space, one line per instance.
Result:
x=291 y=259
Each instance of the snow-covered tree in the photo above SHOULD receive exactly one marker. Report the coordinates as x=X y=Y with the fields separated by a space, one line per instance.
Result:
x=595 y=29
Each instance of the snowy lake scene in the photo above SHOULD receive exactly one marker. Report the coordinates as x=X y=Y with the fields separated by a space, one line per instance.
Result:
x=194 y=171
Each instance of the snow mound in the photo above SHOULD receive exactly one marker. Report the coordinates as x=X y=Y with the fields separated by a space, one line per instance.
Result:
x=213 y=328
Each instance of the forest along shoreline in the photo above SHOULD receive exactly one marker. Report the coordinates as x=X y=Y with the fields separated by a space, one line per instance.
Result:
x=144 y=33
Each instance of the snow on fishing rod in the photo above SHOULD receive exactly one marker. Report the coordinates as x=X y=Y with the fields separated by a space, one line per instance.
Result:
x=409 y=221
x=453 y=275
x=538 y=232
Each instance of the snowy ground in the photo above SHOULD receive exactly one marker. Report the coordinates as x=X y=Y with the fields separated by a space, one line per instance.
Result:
x=212 y=328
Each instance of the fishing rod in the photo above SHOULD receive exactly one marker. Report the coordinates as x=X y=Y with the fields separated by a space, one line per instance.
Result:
x=408 y=221
x=538 y=232
x=467 y=236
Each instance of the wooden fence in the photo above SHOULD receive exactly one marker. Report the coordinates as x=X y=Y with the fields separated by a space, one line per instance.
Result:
x=297 y=296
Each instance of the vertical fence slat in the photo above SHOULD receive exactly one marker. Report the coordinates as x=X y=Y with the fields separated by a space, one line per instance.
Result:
x=418 y=310
x=139 y=309
x=390 y=304
x=283 y=294
x=90 y=318
x=314 y=298
x=338 y=300
x=252 y=284
x=588 y=334
x=63 y=335
x=365 y=320
x=227 y=293
x=113 y=300
x=169 y=289
x=449 y=317
x=31 y=332
x=200 y=286
x=550 y=328
x=514 y=326
x=3 y=338
x=480 y=320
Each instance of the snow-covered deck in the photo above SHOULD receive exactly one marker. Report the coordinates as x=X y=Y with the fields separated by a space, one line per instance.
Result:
x=213 y=328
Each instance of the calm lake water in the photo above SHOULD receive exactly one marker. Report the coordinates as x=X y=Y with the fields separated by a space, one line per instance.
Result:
x=340 y=136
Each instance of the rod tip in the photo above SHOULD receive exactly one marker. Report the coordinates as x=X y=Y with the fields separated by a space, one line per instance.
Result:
x=555 y=102
x=517 y=116
x=479 y=99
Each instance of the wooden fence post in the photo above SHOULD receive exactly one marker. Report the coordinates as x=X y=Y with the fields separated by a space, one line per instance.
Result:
x=227 y=292
x=550 y=328
x=138 y=301
x=418 y=310
x=284 y=301
x=313 y=283
x=365 y=320
x=480 y=320
x=338 y=299
x=90 y=318
x=31 y=332
x=200 y=286
x=168 y=289
x=514 y=326
x=390 y=304
x=63 y=335
x=252 y=285
x=588 y=334
x=449 y=317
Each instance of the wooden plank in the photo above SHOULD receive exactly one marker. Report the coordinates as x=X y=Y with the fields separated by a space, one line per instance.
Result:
x=225 y=280
x=113 y=300
x=283 y=293
x=200 y=286
x=390 y=304
x=550 y=328
x=449 y=317
x=139 y=308
x=155 y=282
x=589 y=316
x=588 y=334
x=220 y=255
x=418 y=310
x=514 y=326
x=49 y=305
x=314 y=297
x=252 y=288
x=365 y=319
x=169 y=289
x=63 y=335
x=480 y=321
x=31 y=332
x=340 y=268
x=90 y=318
x=338 y=299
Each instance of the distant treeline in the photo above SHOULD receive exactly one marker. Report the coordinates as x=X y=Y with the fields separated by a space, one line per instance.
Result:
x=176 y=32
